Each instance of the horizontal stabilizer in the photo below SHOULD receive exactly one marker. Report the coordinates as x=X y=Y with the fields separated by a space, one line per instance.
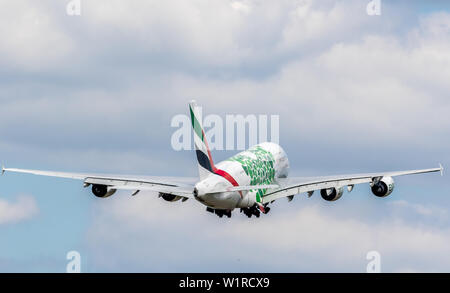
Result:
x=245 y=188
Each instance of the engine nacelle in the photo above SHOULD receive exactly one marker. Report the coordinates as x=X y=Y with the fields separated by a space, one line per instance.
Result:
x=332 y=194
x=383 y=187
x=170 y=197
x=102 y=191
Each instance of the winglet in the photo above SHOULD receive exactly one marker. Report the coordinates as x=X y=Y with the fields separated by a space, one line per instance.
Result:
x=442 y=169
x=3 y=169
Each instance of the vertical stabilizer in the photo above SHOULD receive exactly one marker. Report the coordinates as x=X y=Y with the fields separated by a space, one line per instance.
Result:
x=204 y=158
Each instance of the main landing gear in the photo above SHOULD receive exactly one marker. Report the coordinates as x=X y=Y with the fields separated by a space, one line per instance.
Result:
x=255 y=210
x=219 y=213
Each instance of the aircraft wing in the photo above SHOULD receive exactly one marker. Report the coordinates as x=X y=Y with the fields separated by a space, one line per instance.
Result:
x=180 y=186
x=295 y=185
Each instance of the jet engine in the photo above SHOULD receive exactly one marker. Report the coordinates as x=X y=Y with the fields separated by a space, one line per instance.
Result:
x=170 y=197
x=332 y=194
x=102 y=191
x=383 y=187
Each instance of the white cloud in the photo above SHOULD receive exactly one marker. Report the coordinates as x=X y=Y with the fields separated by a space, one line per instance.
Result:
x=394 y=85
x=359 y=87
x=240 y=6
x=384 y=84
x=201 y=34
x=422 y=210
x=162 y=236
x=23 y=208
x=31 y=36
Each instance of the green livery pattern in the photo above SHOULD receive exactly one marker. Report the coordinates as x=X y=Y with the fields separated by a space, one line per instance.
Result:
x=260 y=170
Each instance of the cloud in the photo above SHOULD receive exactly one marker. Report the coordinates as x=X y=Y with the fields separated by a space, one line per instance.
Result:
x=24 y=208
x=352 y=70
x=378 y=95
x=147 y=234
x=379 y=80
x=31 y=37
x=222 y=38
x=354 y=93
x=422 y=210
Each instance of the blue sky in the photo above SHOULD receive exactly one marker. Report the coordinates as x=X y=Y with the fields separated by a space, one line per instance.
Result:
x=97 y=92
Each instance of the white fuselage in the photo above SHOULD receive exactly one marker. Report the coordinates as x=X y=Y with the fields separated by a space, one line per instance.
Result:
x=262 y=164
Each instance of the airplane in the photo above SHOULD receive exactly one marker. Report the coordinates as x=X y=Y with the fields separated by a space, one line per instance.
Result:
x=249 y=181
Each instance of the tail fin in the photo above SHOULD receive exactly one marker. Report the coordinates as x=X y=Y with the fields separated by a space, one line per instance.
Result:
x=204 y=158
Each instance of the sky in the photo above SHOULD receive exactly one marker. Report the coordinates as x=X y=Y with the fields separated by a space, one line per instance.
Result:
x=96 y=92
